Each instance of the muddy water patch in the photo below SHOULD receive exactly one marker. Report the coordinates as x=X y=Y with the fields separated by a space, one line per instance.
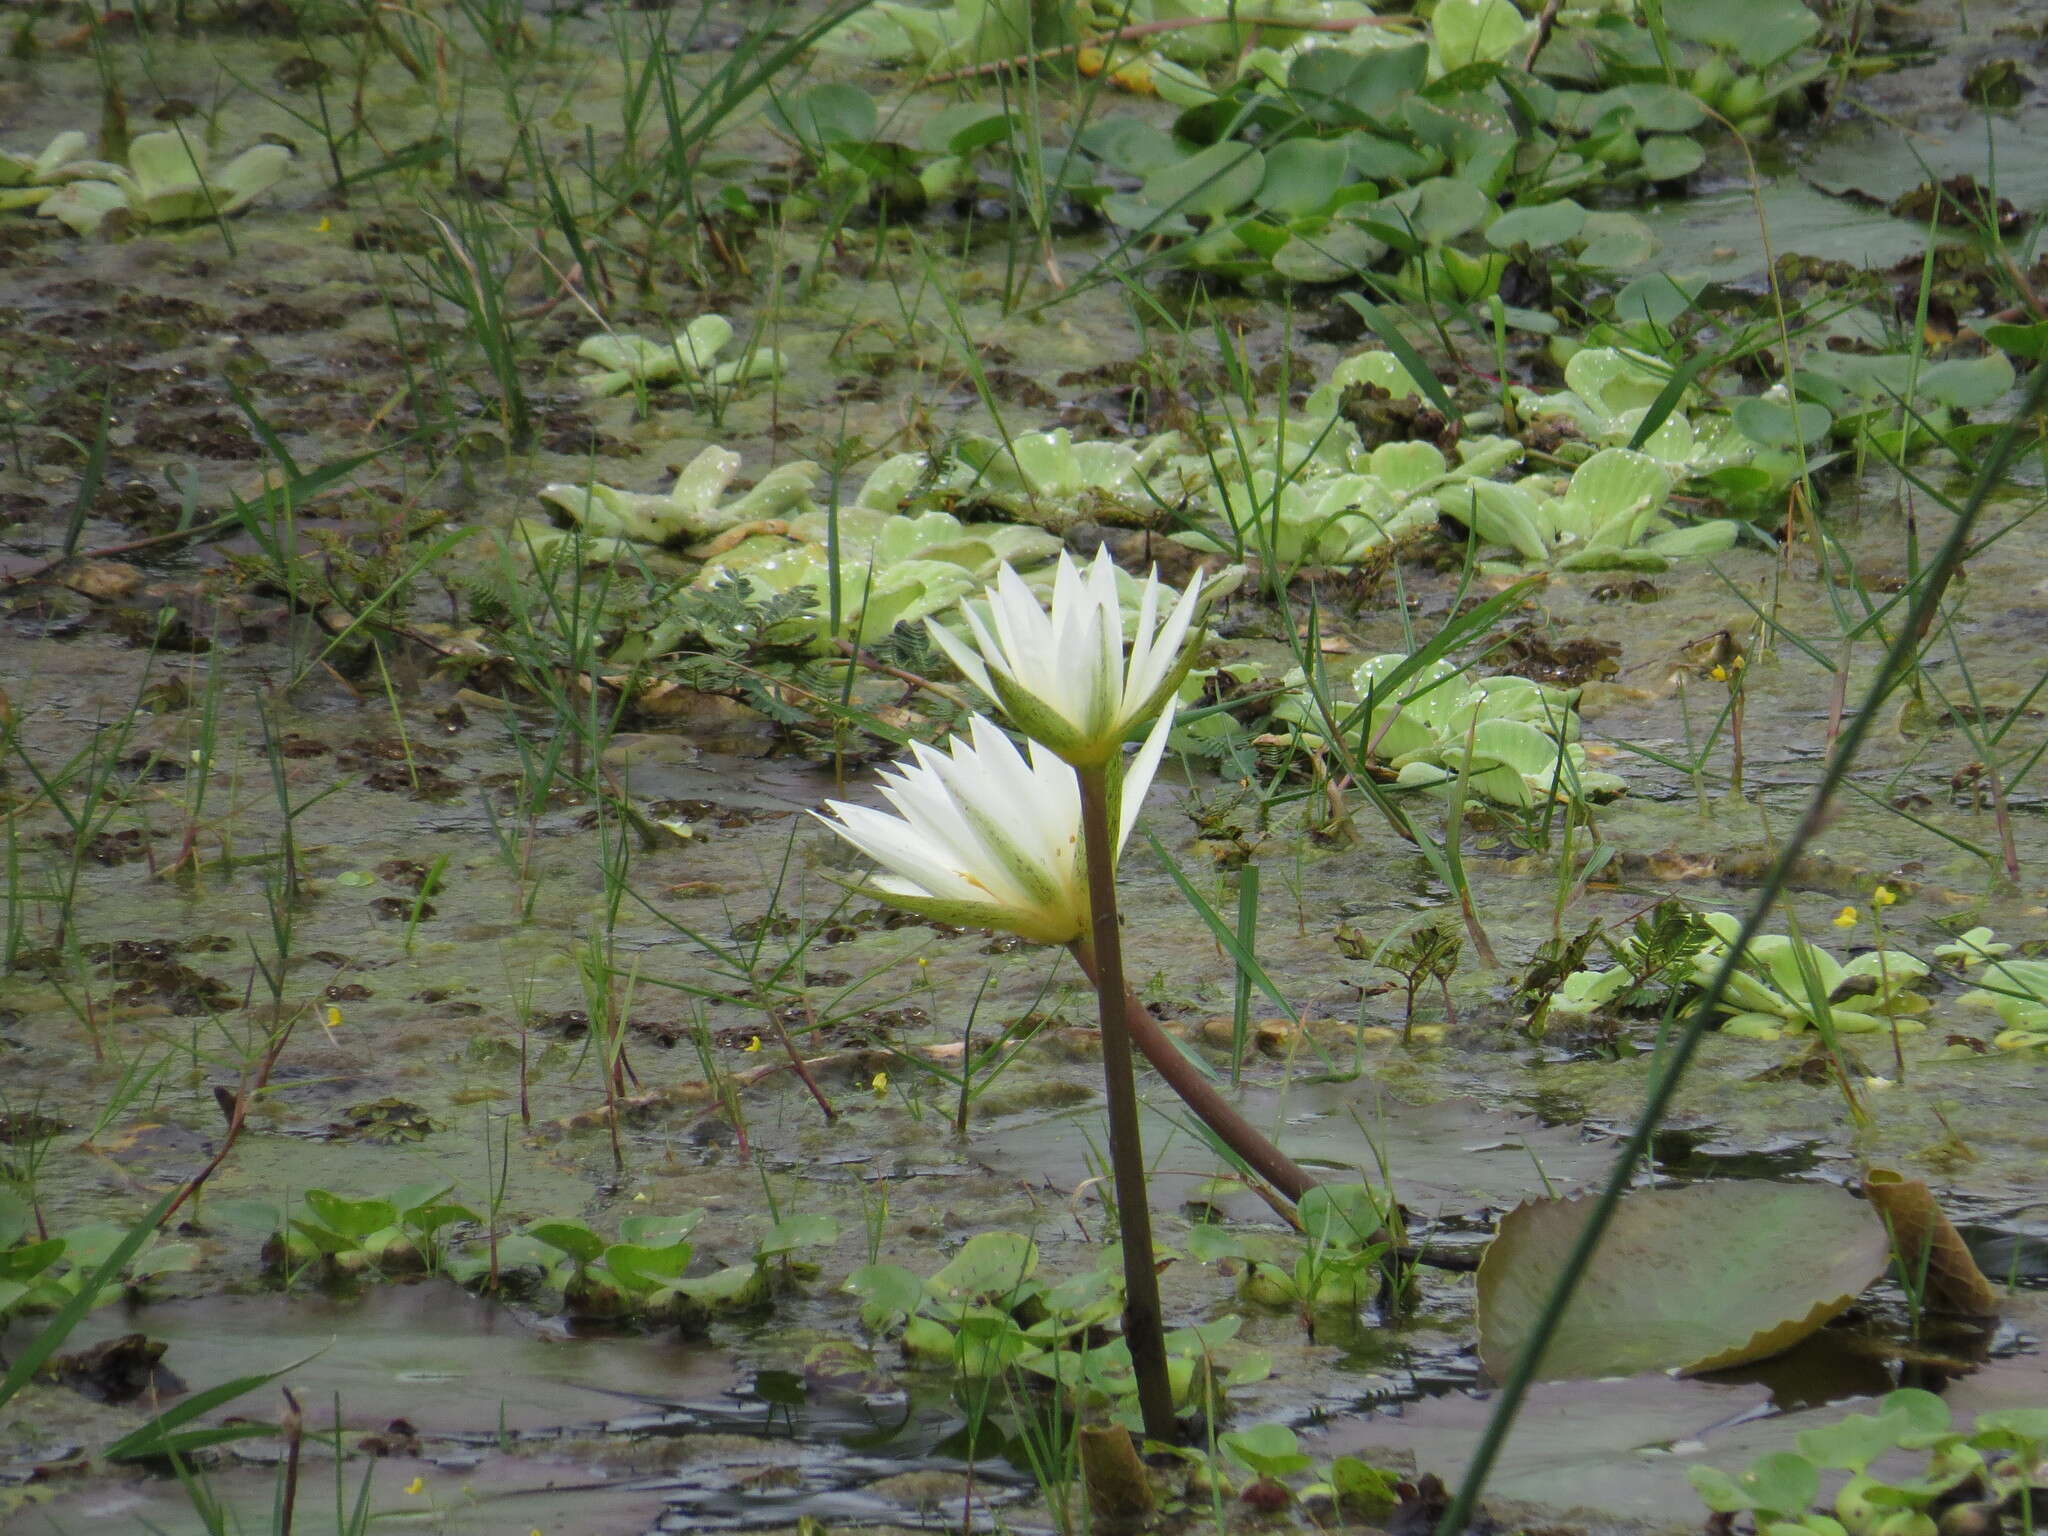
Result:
x=1603 y=1455
x=473 y=1411
x=430 y=1354
x=1450 y=1159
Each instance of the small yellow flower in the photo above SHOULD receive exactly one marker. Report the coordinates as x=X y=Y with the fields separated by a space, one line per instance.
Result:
x=416 y=1487
x=1884 y=896
x=753 y=1044
x=1878 y=1084
x=923 y=964
x=333 y=1017
x=1846 y=918
x=880 y=1082
x=325 y=225
x=1719 y=673
x=641 y=1197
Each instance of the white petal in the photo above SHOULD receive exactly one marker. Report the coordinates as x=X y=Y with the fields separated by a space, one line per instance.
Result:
x=990 y=787
x=1172 y=636
x=1138 y=683
x=990 y=648
x=1106 y=629
x=893 y=845
x=963 y=656
x=1138 y=773
x=932 y=806
x=979 y=828
x=1039 y=799
x=1034 y=651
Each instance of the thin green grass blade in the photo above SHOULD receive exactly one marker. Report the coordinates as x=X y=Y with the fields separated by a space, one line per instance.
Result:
x=1409 y=358
x=161 y=1437
x=53 y=1333
x=1226 y=935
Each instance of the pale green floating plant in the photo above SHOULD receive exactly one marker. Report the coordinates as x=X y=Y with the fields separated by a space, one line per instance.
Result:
x=1340 y=500
x=1332 y=520
x=1049 y=479
x=1609 y=391
x=2017 y=990
x=970 y=32
x=688 y=358
x=26 y=180
x=1787 y=984
x=695 y=508
x=892 y=569
x=907 y=478
x=166 y=181
x=1585 y=993
x=1463 y=33
x=1346 y=518
x=1375 y=366
x=1606 y=391
x=1042 y=478
x=1974 y=946
x=965 y=33
x=1513 y=740
x=1238 y=24
x=1608 y=516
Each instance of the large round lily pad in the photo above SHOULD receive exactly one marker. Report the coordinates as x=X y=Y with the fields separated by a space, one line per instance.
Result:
x=1686 y=1279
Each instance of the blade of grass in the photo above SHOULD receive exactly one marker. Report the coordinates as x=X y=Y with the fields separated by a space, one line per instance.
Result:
x=159 y=1436
x=1668 y=397
x=1226 y=935
x=1406 y=354
x=53 y=1334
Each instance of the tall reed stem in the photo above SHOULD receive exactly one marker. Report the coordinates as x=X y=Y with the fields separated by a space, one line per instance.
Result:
x=1144 y=1326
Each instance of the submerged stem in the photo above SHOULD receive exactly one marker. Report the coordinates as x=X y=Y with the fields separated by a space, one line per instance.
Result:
x=1144 y=1326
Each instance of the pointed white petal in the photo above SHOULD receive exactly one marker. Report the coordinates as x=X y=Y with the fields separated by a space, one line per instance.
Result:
x=894 y=846
x=1172 y=639
x=1138 y=773
x=1141 y=664
x=963 y=656
x=935 y=808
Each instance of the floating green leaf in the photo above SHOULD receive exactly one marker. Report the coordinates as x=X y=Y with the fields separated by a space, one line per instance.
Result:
x=1686 y=1279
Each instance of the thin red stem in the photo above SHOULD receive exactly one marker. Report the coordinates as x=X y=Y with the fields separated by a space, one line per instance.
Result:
x=1144 y=1324
x=1218 y=1113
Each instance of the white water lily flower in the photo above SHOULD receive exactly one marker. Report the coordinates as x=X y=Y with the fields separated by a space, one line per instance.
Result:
x=1062 y=677
x=984 y=839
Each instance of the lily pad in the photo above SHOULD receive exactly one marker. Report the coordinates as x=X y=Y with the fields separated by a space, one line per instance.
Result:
x=1687 y=1279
